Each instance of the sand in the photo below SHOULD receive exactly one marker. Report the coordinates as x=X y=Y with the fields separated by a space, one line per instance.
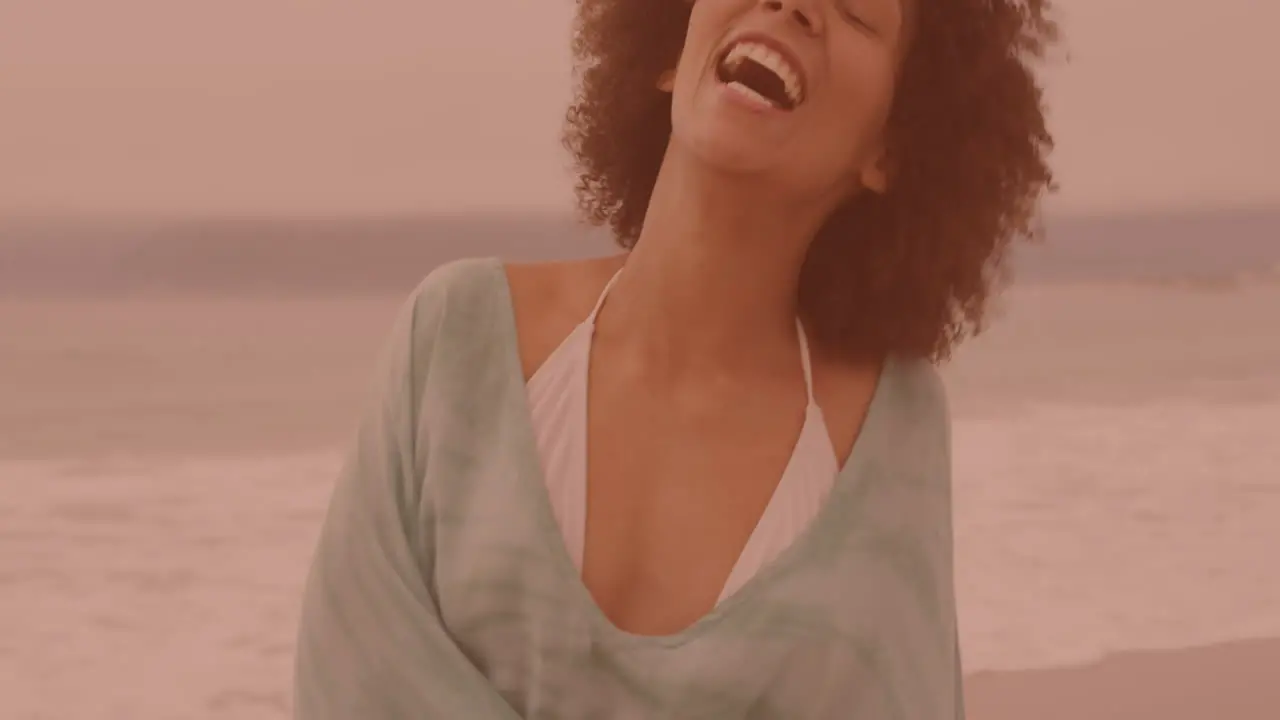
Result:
x=1232 y=681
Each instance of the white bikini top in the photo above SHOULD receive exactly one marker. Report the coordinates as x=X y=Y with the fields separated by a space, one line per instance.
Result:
x=558 y=401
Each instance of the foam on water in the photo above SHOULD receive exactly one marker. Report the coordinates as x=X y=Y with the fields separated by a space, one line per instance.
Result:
x=1084 y=530
x=154 y=591
x=168 y=589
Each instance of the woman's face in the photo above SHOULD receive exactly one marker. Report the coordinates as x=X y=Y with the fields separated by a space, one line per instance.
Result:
x=795 y=91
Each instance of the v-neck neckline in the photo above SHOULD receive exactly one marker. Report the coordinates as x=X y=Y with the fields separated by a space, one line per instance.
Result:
x=533 y=484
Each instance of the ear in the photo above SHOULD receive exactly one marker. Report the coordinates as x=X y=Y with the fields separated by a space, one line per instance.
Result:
x=667 y=81
x=875 y=174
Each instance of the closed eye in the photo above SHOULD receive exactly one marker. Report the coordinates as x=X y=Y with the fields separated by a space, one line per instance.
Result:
x=854 y=18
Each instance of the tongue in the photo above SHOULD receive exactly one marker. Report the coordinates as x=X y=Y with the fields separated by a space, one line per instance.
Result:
x=760 y=79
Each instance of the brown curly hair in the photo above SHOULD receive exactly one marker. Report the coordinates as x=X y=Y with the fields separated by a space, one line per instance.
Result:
x=907 y=272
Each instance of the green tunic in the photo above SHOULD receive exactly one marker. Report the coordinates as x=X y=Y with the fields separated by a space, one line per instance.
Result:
x=440 y=587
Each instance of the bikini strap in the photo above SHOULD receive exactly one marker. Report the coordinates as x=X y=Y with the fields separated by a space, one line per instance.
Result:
x=804 y=359
x=591 y=319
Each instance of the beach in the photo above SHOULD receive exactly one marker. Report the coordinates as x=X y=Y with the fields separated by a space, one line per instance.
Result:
x=1231 y=680
x=165 y=461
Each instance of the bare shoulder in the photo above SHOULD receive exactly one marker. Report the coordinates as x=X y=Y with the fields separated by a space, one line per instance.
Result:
x=549 y=299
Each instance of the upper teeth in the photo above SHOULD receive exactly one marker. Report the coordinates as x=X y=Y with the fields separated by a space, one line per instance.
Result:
x=771 y=59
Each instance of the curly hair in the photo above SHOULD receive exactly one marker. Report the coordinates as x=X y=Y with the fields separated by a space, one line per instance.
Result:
x=907 y=272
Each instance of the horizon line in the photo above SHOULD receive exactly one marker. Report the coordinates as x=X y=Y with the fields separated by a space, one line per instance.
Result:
x=50 y=214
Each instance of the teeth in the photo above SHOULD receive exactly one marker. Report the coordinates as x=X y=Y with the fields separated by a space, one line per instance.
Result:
x=751 y=95
x=771 y=59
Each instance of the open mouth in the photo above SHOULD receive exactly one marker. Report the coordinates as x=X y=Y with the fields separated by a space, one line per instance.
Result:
x=760 y=71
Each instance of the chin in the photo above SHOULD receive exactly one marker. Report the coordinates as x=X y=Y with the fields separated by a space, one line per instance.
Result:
x=729 y=150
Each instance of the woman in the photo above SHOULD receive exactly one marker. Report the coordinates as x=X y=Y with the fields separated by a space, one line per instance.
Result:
x=708 y=477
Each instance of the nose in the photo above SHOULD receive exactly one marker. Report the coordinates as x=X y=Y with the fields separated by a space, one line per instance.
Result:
x=802 y=12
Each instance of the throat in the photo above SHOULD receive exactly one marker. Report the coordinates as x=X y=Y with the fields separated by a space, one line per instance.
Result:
x=706 y=277
x=676 y=314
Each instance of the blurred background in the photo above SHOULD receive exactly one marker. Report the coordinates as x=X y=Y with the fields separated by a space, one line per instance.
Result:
x=210 y=210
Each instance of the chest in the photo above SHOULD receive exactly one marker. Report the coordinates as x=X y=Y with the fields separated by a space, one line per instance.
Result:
x=676 y=484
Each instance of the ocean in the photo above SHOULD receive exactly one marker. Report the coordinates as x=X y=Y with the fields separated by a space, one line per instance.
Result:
x=175 y=396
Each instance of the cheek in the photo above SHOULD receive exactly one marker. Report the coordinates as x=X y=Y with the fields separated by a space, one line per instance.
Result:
x=709 y=23
x=861 y=103
x=846 y=135
x=689 y=65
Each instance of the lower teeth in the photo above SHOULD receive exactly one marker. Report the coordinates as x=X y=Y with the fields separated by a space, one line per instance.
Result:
x=739 y=87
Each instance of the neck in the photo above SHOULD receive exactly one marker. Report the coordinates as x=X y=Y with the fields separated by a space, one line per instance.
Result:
x=714 y=271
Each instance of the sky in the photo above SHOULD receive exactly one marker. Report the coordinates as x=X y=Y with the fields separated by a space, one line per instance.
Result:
x=335 y=107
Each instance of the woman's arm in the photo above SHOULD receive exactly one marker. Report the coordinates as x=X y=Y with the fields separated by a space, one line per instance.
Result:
x=371 y=645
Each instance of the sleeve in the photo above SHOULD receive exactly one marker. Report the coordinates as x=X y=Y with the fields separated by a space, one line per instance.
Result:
x=371 y=645
x=921 y=661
